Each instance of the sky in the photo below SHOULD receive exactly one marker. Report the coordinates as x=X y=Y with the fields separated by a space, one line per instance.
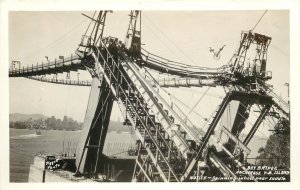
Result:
x=183 y=36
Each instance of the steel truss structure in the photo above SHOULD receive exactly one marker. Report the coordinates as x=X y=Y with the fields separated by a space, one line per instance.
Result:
x=170 y=149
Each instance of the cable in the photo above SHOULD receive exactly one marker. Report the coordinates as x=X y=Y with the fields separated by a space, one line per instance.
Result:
x=152 y=32
x=195 y=105
x=169 y=40
x=57 y=40
x=251 y=31
x=259 y=20
x=90 y=23
x=172 y=96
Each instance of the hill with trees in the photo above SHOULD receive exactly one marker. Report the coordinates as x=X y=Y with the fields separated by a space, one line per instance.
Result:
x=277 y=149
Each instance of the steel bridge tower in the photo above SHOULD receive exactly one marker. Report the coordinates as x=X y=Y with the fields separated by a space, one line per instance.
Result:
x=169 y=148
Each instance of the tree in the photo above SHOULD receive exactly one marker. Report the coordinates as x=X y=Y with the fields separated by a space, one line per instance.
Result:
x=277 y=149
x=261 y=150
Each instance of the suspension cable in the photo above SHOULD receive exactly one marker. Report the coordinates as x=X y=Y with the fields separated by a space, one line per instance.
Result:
x=58 y=40
x=259 y=20
x=196 y=104
x=166 y=37
x=90 y=23
x=172 y=96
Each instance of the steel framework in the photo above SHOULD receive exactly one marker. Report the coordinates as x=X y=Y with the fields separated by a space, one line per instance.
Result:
x=169 y=147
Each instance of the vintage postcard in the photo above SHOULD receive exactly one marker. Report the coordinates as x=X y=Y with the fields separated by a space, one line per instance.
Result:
x=142 y=95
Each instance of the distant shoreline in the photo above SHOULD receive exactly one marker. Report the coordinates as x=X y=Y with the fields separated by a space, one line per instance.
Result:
x=109 y=131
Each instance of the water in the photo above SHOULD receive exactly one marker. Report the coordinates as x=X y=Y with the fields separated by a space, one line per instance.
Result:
x=25 y=144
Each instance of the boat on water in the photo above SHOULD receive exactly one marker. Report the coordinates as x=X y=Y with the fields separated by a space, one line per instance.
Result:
x=40 y=125
x=38 y=131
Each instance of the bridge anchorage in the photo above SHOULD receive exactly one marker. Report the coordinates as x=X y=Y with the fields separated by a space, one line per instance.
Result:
x=170 y=147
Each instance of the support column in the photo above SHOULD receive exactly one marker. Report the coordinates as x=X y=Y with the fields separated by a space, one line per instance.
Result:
x=239 y=123
x=95 y=128
x=89 y=115
x=257 y=123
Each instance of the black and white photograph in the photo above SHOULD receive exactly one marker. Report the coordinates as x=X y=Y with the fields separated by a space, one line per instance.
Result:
x=139 y=96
